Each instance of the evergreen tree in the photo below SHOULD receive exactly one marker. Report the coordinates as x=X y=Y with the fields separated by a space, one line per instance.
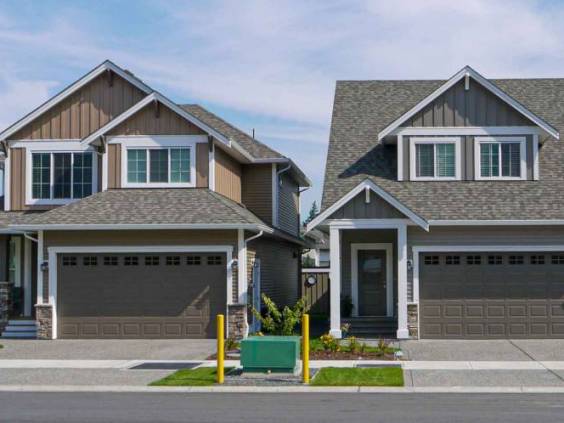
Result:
x=313 y=211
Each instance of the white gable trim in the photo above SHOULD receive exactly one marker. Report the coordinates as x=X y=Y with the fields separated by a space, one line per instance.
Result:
x=468 y=71
x=154 y=96
x=107 y=65
x=382 y=193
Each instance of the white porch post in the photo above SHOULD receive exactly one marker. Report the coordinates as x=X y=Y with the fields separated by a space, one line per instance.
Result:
x=335 y=278
x=403 y=332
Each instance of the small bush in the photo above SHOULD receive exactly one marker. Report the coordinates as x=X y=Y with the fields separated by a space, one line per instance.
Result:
x=354 y=346
x=330 y=343
x=280 y=322
x=231 y=344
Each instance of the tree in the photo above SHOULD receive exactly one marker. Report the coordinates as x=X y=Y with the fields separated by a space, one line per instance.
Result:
x=313 y=212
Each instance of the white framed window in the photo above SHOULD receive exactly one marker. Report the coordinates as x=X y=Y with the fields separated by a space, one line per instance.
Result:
x=435 y=159
x=57 y=173
x=159 y=161
x=500 y=158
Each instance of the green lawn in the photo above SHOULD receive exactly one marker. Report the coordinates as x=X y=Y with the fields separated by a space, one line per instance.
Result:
x=384 y=376
x=202 y=376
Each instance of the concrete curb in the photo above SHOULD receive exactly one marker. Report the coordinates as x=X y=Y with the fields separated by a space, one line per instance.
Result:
x=287 y=389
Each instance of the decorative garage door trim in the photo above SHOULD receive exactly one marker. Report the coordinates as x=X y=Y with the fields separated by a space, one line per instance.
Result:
x=53 y=252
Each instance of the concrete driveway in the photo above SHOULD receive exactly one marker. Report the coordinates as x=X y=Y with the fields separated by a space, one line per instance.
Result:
x=487 y=350
x=99 y=349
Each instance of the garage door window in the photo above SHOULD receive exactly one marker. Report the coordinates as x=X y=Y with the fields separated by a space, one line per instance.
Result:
x=495 y=260
x=151 y=260
x=110 y=261
x=431 y=260
x=193 y=260
x=214 y=260
x=452 y=260
x=69 y=261
x=473 y=260
x=516 y=260
x=90 y=261
x=173 y=260
x=537 y=259
x=131 y=261
x=557 y=259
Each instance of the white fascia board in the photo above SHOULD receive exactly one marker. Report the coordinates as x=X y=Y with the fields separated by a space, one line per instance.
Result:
x=468 y=71
x=107 y=65
x=382 y=193
x=126 y=226
x=533 y=222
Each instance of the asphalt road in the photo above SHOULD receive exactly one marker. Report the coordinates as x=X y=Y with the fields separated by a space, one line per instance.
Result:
x=18 y=407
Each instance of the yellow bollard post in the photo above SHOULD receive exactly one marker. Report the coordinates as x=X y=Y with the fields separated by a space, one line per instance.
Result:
x=305 y=347
x=220 y=348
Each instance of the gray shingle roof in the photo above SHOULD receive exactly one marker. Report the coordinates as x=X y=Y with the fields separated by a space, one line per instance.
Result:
x=254 y=147
x=363 y=108
x=147 y=207
x=13 y=217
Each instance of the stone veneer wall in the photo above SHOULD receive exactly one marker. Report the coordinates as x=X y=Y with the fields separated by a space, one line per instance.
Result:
x=413 y=321
x=237 y=321
x=4 y=304
x=44 y=318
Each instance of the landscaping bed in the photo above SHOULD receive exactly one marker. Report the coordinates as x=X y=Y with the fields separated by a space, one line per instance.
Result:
x=328 y=348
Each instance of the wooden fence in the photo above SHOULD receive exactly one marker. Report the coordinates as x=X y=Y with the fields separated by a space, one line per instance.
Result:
x=317 y=295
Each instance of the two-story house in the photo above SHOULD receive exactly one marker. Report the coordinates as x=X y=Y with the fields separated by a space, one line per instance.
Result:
x=444 y=205
x=127 y=215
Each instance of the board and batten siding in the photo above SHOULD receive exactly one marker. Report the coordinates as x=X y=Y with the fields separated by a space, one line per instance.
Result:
x=376 y=208
x=156 y=119
x=257 y=190
x=467 y=153
x=279 y=269
x=473 y=107
x=288 y=205
x=227 y=176
x=137 y=238
x=480 y=235
x=85 y=111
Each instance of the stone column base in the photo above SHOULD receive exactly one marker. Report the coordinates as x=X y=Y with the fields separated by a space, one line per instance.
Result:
x=44 y=317
x=237 y=325
x=5 y=288
x=413 y=321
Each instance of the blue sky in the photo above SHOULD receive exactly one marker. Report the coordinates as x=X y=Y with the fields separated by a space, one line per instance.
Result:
x=271 y=66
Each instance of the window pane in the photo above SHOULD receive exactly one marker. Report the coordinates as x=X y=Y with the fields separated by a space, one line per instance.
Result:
x=511 y=159
x=62 y=175
x=41 y=175
x=158 y=166
x=180 y=165
x=82 y=175
x=489 y=159
x=445 y=160
x=137 y=166
x=425 y=160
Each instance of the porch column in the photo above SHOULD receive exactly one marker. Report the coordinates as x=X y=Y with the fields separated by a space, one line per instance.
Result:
x=335 y=281
x=402 y=332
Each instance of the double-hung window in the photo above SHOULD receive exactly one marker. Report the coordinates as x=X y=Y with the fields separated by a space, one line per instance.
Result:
x=435 y=158
x=159 y=167
x=58 y=177
x=500 y=158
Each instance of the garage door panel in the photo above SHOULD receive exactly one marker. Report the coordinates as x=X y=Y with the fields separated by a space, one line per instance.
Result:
x=153 y=296
x=491 y=295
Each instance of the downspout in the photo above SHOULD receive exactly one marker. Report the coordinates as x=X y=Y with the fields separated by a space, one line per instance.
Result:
x=25 y=234
x=254 y=237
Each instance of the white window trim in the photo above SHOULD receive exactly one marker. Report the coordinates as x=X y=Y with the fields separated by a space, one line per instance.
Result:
x=158 y=143
x=388 y=248
x=414 y=141
x=50 y=148
x=500 y=140
x=54 y=251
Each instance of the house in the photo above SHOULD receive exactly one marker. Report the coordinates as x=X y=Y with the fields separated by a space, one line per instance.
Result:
x=318 y=253
x=127 y=215
x=445 y=208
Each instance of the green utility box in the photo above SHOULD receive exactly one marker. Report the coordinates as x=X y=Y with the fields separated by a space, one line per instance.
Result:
x=270 y=353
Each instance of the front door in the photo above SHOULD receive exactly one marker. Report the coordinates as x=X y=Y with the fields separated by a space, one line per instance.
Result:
x=372 y=283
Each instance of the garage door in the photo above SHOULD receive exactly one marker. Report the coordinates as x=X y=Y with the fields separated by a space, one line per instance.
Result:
x=140 y=295
x=491 y=295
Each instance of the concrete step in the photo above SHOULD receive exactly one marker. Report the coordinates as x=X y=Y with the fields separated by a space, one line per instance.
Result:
x=17 y=322
x=19 y=335
x=20 y=328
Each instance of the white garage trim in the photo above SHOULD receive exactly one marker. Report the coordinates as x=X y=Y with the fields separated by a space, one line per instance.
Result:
x=417 y=249
x=54 y=251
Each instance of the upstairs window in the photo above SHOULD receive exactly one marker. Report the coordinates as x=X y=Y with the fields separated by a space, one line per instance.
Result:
x=57 y=177
x=500 y=158
x=158 y=167
x=435 y=158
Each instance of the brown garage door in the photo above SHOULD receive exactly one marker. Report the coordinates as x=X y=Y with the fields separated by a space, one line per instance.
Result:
x=140 y=295
x=492 y=295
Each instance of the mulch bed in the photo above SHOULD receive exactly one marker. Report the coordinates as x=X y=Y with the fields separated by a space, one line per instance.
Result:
x=345 y=355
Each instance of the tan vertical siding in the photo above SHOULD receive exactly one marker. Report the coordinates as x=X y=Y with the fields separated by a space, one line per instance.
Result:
x=474 y=107
x=227 y=176
x=202 y=165
x=83 y=112
x=156 y=120
x=257 y=190
x=114 y=166
x=17 y=179
x=288 y=205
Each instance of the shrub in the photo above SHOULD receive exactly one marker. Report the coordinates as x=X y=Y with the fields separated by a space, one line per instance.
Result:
x=278 y=322
x=354 y=345
x=330 y=343
x=231 y=344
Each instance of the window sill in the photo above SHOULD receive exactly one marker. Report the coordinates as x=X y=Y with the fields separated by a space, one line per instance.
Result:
x=58 y=202
x=430 y=179
x=500 y=178
x=160 y=185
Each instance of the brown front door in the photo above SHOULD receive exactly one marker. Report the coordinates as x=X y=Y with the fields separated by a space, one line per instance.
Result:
x=372 y=283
